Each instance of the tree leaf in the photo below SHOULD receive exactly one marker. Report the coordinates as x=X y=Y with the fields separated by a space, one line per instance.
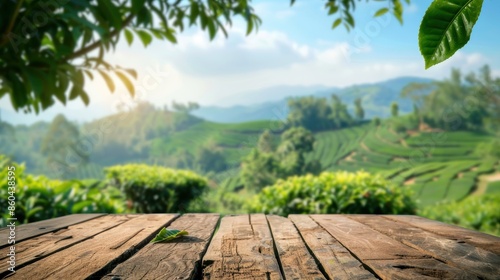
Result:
x=381 y=12
x=446 y=28
x=168 y=234
x=84 y=97
x=398 y=11
x=128 y=84
x=137 y=5
x=108 y=80
x=194 y=12
x=132 y=72
x=170 y=35
x=129 y=36
x=145 y=37
x=336 y=23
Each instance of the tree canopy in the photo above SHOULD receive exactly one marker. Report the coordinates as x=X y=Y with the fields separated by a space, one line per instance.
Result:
x=50 y=49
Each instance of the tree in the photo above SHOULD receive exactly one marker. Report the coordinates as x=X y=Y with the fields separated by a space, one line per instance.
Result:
x=458 y=102
x=260 y=168
x=60 y=143
x=309 y=112
x=340 y=116
x=358 y=109
x=394 y=109
x=48 y=50
x=210 y=159
x=266 y=143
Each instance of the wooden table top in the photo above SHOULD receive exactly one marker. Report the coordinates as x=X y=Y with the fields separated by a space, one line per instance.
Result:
x=99 y=246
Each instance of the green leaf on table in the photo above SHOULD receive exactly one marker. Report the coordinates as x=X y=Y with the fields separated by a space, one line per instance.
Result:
x=446 y=28
x=168 y=234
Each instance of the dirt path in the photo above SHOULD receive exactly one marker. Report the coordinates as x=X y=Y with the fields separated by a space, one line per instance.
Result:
x=349 y=157
x=483 y=182
x=410 y=181
x=365 y=147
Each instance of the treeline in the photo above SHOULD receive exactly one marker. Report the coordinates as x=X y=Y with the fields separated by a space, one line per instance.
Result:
x=470 y=102
x=318 y=114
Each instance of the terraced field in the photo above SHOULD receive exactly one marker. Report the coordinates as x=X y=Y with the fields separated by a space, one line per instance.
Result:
x=435 y=165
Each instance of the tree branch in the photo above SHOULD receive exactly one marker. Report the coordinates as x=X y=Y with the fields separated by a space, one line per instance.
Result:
x=5 y=37
x=96 y=44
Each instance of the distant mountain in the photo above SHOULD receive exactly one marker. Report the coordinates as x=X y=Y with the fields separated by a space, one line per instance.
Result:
x=270 y=94
x=376 y=97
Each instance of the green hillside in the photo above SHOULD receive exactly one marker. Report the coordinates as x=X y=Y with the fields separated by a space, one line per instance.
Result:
x=435 y=165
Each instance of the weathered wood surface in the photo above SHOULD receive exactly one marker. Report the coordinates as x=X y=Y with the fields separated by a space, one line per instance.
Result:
x=475 y=238
x=336 y=260
x=38 y=228
x=115 y=247
x=387 y=257
x=96 y=255
x=461 y=255
x=296 y=262
x=178 y=259
x=242 y=248
x=31 y=250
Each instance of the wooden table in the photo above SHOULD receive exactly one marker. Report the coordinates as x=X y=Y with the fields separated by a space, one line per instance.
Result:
x=99 y=246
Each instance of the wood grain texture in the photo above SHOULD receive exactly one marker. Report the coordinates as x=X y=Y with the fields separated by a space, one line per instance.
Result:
x=337 y=262
x=97 y=255
x=242 y=248
x=417 y=269
x=39 y=247
x=478 y=239
x=296 y=262
x=26 y=231
x=461 y=255
x=382 y=253
x=176 y=259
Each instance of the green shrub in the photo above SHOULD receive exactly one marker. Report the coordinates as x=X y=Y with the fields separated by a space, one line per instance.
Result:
x=339 y=192
x=38 y=198
x=155 y=189
x=486 y=149
x=475 y=212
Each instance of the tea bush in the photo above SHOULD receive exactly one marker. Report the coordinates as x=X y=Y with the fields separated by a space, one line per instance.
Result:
x=480 y=213
x=39 y=198
x=332 y=193
x=155 y=189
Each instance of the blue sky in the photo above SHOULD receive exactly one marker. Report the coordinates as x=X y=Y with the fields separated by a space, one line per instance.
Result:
x=294 y=46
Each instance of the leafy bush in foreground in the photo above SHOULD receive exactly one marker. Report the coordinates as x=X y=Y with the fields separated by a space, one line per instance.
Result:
x=480 y=213
x=155 y=189
x=39 y=198
x=334 y=192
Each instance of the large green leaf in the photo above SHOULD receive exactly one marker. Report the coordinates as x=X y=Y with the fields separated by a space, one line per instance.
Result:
x=446 y=27
x=168 y=234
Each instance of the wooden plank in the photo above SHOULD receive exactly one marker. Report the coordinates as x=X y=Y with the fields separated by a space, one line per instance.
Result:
x=482 y=240
x=26 y=231
x=416 y=269
x=39 y=247
x=461 y=255
x=295 y=260
x=177 y=259
x=242 y=248
x=96 y=256
x=336 y=260
x=379 y=251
